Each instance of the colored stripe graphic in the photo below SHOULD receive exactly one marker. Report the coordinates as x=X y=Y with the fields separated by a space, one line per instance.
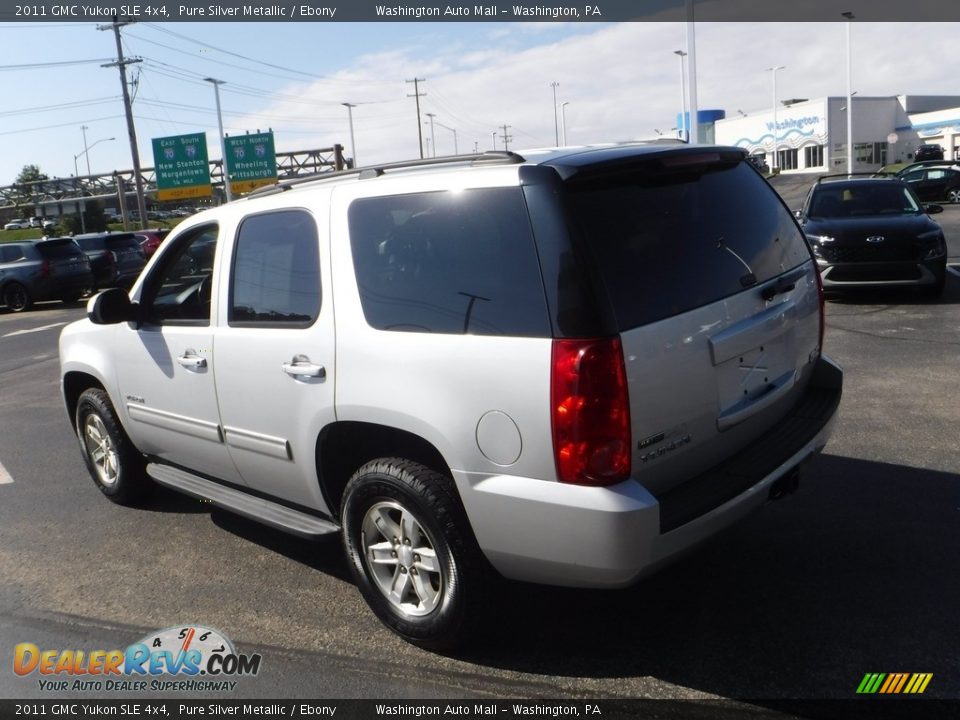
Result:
x=894 y=683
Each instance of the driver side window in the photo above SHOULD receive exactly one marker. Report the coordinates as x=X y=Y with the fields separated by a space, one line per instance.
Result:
x=179 y=290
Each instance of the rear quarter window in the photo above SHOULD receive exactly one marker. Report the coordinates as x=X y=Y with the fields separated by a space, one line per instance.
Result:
x=665 y=241
x=449 y=262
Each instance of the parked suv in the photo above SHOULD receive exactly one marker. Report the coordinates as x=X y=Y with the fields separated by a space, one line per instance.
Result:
x=116 y=258
x=874 y=231
x=566 y=367
x=35 y=270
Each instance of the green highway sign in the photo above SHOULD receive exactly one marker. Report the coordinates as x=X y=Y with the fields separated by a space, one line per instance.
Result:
x=182 y=167
x=251 y=161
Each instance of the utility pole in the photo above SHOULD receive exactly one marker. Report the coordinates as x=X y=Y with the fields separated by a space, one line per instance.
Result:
x=506 y=138
x=417 y=94
x=121 y=64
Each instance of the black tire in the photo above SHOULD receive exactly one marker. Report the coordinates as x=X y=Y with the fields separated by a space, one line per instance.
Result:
x=441 y=596
x=16 y=297
x=115 y=465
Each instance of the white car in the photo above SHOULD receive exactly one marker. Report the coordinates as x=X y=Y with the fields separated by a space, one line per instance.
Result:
x=565 y=367
x=17 y=225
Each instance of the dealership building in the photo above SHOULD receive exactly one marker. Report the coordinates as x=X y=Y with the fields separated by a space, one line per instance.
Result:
x=811 y=135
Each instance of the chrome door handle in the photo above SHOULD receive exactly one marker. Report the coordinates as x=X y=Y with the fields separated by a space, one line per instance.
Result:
x=191 y=360
x=301 y=367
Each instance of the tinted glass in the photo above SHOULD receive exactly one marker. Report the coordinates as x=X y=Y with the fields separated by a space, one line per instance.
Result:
x=91 y=243
x=670 y=239
x=845 y=200
x=179 y=289
x=449 y=262
x=10 y=253
x=53 y=249
x=123 y=242
x=276 y=270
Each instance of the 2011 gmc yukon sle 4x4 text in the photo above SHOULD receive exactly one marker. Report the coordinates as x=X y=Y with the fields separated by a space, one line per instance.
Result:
x=565 y=367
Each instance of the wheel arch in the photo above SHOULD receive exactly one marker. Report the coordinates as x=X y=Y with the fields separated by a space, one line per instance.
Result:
x=343 y=447
x=74 y=383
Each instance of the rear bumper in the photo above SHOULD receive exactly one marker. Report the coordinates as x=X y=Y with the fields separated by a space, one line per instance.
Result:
x=558 y=534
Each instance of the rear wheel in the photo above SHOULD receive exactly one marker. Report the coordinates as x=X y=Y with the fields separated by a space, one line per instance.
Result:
x=412 y=553
x=16 y=297
x=115 y=465
x=953 y=195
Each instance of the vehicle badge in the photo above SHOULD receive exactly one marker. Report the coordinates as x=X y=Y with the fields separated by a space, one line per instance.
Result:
x=876 y=239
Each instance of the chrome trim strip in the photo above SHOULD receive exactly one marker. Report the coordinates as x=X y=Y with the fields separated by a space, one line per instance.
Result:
x=202 y=429
x=258 y=443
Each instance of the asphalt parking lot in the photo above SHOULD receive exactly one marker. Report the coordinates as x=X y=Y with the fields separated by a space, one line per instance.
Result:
x=852 y=574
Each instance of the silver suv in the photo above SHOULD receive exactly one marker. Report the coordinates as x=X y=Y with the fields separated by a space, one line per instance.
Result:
x=565 y=368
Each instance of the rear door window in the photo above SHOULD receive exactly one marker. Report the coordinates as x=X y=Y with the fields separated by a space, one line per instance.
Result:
x=449 y=262
x=666 y=240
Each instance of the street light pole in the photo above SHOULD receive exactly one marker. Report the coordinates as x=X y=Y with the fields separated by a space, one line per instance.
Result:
x=223 y=141
x=353 y=147
x=556 y=122
x=849 y=16
x=456 y=150
x=563 y=122
x=83 y=129
x=773 y=71
x=433 y=138
x=494 y=134
x=693 y=127
x=684 y=135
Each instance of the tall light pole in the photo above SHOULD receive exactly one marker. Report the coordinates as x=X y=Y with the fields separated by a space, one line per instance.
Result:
x=693 y=127
x=433 y=138
x=86 y=152
x=494 y=134
x=353 y=147
x=683 y=96
x=563 y=122
x=556 y=122
x=456 y=150
x=773 y=71
x=223 y=141
x=849 y=16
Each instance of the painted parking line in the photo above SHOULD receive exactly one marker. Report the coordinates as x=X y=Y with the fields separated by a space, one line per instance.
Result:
x=5 y=478
x=33 y=330
x=954 y=269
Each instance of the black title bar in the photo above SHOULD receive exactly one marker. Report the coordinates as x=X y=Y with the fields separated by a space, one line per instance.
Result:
x=515 y=11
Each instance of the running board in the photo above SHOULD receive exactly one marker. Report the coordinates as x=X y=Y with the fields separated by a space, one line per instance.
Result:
x=256 y=508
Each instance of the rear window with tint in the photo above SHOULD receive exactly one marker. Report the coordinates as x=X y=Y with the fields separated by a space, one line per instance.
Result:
x=668 y=240
x=57 y=249
x=449 y=262
x=124 y=242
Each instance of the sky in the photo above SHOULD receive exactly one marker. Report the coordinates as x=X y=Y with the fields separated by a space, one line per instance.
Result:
x=621 y=82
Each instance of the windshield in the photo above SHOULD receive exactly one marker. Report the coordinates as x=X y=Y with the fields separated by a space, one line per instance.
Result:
x=842 y=201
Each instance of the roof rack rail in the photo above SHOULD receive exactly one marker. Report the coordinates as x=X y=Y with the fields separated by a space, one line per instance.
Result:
x=490 y=157
x=850 y=175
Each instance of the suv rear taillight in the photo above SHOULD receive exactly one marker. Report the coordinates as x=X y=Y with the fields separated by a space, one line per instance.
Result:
x=590 y=411
x=45 y=269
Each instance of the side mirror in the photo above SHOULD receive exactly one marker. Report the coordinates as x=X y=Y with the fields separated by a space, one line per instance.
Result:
x=932 y=209
x=111 y=307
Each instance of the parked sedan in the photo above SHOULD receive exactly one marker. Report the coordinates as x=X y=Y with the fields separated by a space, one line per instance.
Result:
x=873 y=231
x=935 y=183
x=33 y=270
x=17 y=225
x=116 y=258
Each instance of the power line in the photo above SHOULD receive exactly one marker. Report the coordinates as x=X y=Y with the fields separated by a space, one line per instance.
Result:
x=61 y=63
x=58 y=106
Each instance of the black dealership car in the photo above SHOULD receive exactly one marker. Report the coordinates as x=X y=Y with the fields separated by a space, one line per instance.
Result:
x=116 y=258
x=870 y=231
x=935 y=183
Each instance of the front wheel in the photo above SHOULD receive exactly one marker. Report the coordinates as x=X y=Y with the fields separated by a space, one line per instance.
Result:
x=116 y=466
x=412 y=553
x=953 y=195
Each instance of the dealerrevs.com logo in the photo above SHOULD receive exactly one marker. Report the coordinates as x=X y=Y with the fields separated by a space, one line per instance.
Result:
x=183 y=659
